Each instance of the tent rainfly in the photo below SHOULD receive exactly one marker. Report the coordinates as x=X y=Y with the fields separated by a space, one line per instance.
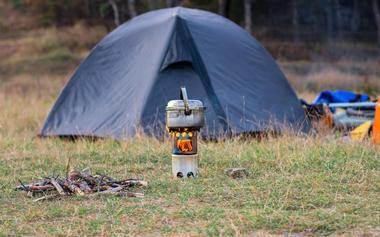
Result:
x=126 y=81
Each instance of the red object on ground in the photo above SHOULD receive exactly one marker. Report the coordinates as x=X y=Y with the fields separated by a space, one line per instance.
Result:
x=376 y=125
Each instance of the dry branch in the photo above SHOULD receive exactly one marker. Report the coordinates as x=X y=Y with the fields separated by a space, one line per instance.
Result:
x=81 y=183
x=57 y=186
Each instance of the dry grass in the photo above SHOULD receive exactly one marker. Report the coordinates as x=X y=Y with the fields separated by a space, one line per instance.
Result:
x=353 y=67
x=11 y=20
x=334 y=79
x=315 y=185
x=73 y=38
x=297 y=185
x=47 y=51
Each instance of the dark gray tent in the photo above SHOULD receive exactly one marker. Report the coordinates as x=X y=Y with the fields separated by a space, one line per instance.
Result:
x=128 y=78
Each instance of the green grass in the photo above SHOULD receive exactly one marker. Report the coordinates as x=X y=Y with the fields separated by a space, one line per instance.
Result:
x=295 y=185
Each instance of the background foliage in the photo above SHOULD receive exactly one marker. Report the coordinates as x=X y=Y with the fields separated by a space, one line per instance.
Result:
x=304 y=20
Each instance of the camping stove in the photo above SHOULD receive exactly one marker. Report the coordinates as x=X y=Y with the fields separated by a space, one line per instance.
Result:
x=184 y=119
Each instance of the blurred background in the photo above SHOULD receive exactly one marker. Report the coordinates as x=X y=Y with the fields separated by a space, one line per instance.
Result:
x=320 y=44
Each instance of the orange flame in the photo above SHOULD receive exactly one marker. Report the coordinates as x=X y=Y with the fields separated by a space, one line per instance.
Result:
x=184 y=145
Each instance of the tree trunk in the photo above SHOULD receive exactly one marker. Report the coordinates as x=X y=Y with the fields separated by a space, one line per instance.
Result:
x=172 y=3
x=329 y=20
x=115 y=10
x=132 y=8
x=224 y=7
x=375 y=7
x=152 y=4
x=248 y=15
x=338 y=19
x=296 y=34
x=221 y=4
x=87 y=9
x=355 y=20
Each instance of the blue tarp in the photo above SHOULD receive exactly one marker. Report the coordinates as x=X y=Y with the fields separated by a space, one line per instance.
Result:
x=327 y=97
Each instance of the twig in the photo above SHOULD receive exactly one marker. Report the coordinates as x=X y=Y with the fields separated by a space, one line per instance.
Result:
x=22 y=185
x=68 y=167
x=57 y=187
x=112 y=190
x=47 y=197
x=138 y=195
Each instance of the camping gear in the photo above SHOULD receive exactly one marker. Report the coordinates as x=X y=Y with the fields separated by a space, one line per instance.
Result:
x=368 y=105
x=343 y=119
x=351 y=115
x=184 y=118
x=348 y=111
x=361 y=132
x=340 y=109
x=338 y=96
x=376 y=125
x=370 y=113
x=327 y=117
x=125 y=82
x=185 y=113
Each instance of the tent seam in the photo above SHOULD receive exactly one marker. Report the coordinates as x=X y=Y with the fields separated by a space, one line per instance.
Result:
x=222 y=117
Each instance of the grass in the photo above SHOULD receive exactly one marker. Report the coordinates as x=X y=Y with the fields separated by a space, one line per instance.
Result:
x=297 y=185
x=343 y=75
x=315 y=185
x=50 y=51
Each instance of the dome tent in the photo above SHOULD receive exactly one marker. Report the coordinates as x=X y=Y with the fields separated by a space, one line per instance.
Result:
x=128 y=78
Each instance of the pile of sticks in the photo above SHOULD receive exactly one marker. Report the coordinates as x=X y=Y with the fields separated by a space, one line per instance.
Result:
x=80 y=183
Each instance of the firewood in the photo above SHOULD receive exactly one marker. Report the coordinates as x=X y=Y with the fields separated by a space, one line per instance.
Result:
x=86 y=172
x=80 y=184
x=57 y=187
x=34 y=186
x=41 y=188
x=120 y=194
x=84 y=187
x=113 y=190
x=73 y=188
x=73 y=175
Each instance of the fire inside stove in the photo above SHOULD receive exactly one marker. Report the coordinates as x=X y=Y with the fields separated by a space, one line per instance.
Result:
x=185 y=142
x=184 y=145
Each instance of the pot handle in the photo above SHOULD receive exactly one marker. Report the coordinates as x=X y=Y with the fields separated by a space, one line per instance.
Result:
x=183 y=96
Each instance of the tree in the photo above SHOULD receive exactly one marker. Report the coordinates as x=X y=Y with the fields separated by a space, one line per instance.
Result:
x=338 y=18
x=172 y=3
x=296 y=35
x=248 y=15
x=132 y=8
x=355 y=19
x=115 y=10
x=329 y=19
x=152 y=4
x=88 y=9
x=224 y=7
x=375 y=7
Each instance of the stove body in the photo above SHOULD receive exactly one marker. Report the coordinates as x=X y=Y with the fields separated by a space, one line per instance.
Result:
x=184 y=119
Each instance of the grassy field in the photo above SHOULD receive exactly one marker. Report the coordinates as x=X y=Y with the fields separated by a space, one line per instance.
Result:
x=302 y=186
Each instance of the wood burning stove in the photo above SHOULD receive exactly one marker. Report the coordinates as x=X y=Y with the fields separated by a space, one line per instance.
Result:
x=184 y=119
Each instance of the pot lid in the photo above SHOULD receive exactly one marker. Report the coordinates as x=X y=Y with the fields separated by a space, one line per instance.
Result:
x=179 y=104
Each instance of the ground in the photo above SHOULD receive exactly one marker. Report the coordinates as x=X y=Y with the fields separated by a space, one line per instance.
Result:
x=301 y=186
